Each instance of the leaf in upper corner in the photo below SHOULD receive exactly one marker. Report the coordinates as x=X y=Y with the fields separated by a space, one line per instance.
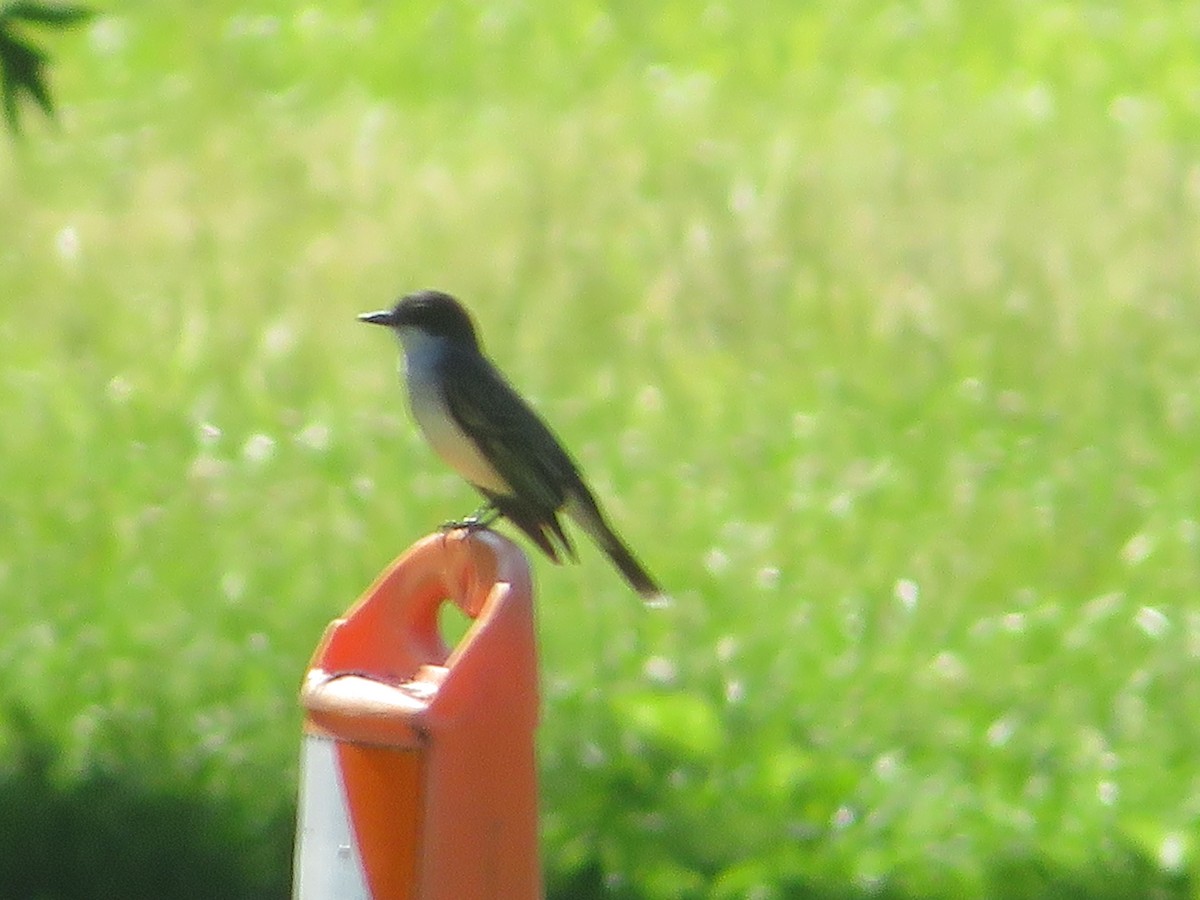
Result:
x=56 y=14
x=23 y=65
x=22 y=72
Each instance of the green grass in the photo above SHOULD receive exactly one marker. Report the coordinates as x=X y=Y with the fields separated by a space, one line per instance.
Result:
x=875 y=325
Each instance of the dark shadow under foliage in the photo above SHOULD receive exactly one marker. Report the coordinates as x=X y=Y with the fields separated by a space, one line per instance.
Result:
x=1017 y=878
x=107 y=836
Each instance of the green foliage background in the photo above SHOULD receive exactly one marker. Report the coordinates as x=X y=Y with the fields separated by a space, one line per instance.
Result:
x=875 y=324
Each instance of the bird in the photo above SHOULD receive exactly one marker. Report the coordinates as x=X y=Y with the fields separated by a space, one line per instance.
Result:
x=479 y=425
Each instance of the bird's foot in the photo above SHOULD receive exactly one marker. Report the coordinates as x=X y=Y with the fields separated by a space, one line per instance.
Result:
x=470 y=523
x=481 y=518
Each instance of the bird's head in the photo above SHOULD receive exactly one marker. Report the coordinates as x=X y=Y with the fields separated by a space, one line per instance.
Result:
x=431 y=312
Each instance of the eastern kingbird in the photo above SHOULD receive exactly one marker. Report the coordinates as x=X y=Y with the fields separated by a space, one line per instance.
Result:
x=478 y=424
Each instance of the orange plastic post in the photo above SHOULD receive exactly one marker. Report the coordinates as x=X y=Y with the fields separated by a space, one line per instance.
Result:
x=418 y=775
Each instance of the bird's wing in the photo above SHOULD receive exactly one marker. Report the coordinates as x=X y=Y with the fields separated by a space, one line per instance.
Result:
x=514 y=439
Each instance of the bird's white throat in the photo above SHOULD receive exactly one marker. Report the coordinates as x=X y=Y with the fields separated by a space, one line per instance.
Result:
x=421 y=349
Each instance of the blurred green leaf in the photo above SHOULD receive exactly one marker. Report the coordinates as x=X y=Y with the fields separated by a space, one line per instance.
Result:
x=1170 y=849
x=667 y=880
x=753 y=878
x=784 y=772
x=680 y=723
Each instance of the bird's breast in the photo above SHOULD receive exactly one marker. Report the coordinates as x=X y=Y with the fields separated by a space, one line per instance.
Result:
x=445 y=435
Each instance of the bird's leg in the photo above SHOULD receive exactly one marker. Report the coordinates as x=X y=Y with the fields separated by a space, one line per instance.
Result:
x=481 y=518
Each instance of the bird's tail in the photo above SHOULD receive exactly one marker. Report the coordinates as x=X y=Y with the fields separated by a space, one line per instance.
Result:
x=582 y=507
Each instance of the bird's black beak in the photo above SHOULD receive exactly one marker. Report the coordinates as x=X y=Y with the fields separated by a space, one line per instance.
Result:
x=381 y=317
